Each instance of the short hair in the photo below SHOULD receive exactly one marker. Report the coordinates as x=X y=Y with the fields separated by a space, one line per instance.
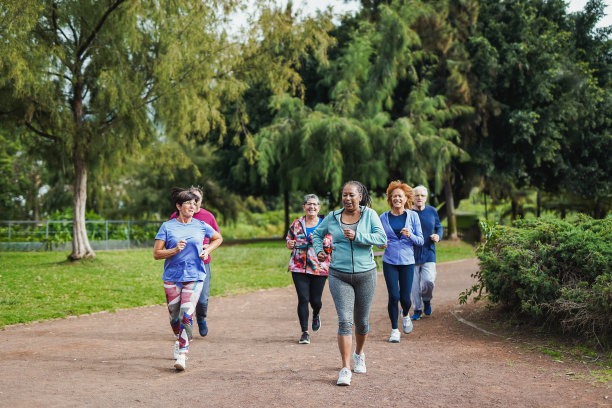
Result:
x=311 y=196
x=394 y=185
x=193 y=189
x=180 y=195
x=366 y=200
x=421 y=187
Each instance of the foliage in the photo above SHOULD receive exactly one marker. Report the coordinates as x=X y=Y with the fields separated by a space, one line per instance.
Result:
x=92 y=82
x=539 y=73
x=550 y=270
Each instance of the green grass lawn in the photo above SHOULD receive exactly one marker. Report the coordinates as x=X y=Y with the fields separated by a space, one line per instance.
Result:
x=43 y=285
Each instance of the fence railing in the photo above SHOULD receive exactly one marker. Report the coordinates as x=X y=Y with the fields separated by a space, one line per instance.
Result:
x=57 y=235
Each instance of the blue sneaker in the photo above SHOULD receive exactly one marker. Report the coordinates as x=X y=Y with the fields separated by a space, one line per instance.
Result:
x=202 y=326
x=416 y=315
x=427 y=307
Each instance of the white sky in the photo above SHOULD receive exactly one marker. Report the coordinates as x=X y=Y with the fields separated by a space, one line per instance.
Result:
x=340 y=7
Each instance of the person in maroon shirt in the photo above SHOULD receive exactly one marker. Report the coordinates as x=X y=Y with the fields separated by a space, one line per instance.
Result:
x=206 y=216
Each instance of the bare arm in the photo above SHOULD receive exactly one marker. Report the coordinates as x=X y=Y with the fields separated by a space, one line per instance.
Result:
x=215 y=241
x=160 y=253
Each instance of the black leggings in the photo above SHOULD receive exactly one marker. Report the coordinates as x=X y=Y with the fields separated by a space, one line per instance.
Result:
x=309 y=289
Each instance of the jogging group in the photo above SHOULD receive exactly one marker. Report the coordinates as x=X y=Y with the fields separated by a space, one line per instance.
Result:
x=338 y=247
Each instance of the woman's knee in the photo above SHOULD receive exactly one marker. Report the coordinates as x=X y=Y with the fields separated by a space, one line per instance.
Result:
x=345 y=328
x=394 y=298
x=362 y=328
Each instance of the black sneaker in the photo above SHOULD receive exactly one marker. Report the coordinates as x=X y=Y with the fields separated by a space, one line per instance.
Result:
x=316 y=323
x=305 y=339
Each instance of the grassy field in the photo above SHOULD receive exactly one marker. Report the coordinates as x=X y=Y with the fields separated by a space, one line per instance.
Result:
x=43 y=285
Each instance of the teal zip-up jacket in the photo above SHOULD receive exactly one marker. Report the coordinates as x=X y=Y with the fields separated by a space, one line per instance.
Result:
x=351 y=256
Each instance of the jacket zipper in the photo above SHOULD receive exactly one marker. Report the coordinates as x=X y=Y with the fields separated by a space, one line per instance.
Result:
x=351 y=242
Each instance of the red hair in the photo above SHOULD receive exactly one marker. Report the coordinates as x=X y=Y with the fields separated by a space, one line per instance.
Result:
x=395 y=185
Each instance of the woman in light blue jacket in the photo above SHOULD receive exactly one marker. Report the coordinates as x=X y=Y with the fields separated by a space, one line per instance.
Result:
x=352 y=272
x=403 y=229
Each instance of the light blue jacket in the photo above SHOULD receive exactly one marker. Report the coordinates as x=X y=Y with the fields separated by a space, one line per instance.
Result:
x=351 y=256
x=400 y=251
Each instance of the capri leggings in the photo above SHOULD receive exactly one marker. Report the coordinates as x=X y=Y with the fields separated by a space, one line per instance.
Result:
x=181 y=299
x=352 y=294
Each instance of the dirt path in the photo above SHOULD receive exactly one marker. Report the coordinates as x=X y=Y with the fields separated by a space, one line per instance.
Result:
x=251 y=358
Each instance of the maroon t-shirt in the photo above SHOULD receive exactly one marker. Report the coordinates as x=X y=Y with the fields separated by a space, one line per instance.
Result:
x=208 y=218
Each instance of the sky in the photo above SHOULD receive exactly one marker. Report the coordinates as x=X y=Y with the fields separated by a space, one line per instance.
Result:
x=340 y=7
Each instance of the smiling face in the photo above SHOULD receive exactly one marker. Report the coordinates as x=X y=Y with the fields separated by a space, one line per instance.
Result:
x=398 y=199
x=187 y=209
x=311 y=207
x=351 y=197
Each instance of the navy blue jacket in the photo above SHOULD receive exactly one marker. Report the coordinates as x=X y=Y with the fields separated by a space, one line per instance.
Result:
x=430 y=224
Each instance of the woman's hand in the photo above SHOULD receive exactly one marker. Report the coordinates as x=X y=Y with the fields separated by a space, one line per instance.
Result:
x=180 y=245
x=291 y=243
x=204 y=254
x=434 y=237
x=349 y=233
x=321 y=256
x=405 y=232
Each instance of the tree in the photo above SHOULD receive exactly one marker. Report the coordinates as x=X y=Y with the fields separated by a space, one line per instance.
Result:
x=96 y=80
x=542 y=92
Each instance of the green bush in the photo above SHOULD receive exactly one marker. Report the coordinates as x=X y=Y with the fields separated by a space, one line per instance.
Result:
x=550 y=270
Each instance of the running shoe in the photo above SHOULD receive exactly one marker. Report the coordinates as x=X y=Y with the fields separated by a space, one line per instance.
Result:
x=427 y=309
x=359 y=360
x=316 y=323
x=305 y=339
x=345 y=377
x=179 y=364
x=406 y=324
x=416 y=315
x=176 y=349
x=202 y=326
x=395 y=336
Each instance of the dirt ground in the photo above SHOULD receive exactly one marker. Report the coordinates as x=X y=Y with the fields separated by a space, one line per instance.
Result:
x=251 y=358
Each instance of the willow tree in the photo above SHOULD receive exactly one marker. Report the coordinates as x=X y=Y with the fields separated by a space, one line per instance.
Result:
x=96 y=80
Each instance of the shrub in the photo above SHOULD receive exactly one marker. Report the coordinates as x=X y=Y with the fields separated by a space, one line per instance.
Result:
x=551 y=270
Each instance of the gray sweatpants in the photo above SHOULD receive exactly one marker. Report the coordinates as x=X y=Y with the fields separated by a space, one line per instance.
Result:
x=352 y=294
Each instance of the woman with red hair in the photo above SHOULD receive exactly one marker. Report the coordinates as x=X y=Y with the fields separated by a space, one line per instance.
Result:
x=403 y=230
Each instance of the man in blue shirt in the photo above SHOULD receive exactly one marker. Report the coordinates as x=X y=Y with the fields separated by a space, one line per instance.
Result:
x=425 y=256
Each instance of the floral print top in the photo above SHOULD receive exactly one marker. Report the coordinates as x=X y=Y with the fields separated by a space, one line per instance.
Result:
x=303 y=257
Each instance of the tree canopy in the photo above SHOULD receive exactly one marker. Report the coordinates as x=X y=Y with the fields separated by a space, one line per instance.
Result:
x=110 y=103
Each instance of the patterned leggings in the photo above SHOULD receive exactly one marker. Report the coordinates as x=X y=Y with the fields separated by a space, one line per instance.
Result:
x=181 y=299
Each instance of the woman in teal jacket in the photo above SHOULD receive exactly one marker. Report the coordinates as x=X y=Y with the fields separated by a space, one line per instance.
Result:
x=352 y=272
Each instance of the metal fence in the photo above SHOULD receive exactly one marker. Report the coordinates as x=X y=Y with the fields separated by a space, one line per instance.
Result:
x=57 y=235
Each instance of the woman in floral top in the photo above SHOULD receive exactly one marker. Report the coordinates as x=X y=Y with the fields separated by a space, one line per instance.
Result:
x=309 y=275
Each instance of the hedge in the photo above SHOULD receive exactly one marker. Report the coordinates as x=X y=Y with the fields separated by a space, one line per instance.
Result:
x=553 y=271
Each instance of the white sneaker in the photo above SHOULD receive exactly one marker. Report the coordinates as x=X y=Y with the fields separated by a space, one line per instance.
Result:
x=359 y=360
x=179 y=364
x=176 y=349
x=345 y=377
x=395 y=336
x=407 y=323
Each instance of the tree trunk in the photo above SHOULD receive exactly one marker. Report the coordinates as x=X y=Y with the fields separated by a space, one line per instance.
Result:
x=538 y=204
x=514 y=205
x=80 y=243
x=286 y=205
x=485 y=204
x=450 y=211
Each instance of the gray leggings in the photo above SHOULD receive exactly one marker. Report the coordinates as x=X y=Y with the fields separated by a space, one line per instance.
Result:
x=352 y=294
